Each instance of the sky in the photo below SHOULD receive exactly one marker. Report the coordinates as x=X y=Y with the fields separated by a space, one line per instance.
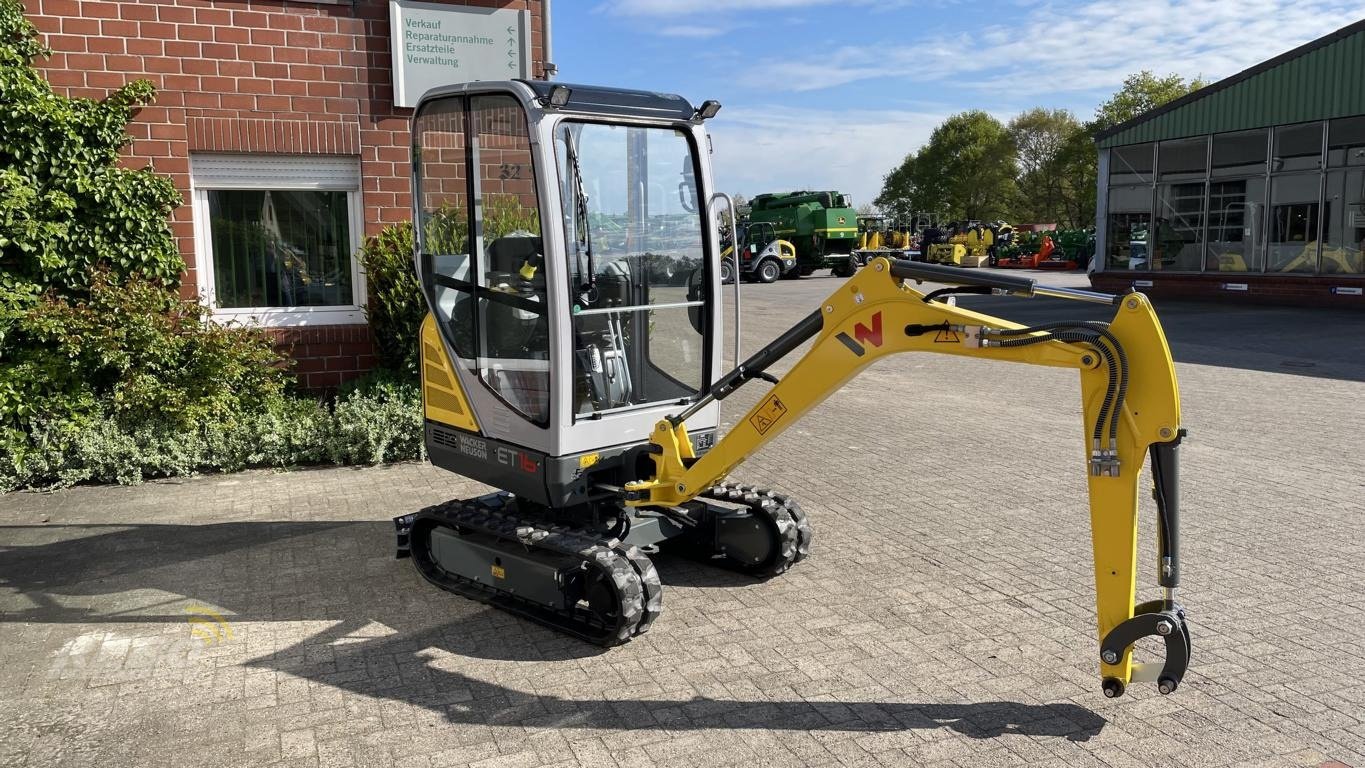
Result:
x=832 y=94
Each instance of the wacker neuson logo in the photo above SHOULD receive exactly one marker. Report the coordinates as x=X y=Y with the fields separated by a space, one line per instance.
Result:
x=863 y=334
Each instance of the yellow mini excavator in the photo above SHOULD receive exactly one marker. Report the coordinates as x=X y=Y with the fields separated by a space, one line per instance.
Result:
x=571 y=358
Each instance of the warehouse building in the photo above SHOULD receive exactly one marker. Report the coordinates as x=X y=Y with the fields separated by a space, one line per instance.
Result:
x=1252 y=188
x=284 y=124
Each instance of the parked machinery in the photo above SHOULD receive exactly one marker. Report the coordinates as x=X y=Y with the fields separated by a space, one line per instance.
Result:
x=558 y=371
x=822 y=226
x=763 y=257
x=1028 y=247
x=968 y=245
x=880 y=235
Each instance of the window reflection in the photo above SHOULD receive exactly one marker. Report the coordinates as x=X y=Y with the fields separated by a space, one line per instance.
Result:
x=1131 y=164
x=1297 y=148
x=1294 y=223
x=1236 y=225
x=1239 y=154
x=1346 y=142
x=1343 y=247
x=1130 y=219
x=1178 y=232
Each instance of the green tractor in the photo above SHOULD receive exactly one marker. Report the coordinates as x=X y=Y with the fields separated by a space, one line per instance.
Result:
x=822 y=226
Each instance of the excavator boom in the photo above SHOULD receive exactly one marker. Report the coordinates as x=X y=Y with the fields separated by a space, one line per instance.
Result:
x=1131 y=409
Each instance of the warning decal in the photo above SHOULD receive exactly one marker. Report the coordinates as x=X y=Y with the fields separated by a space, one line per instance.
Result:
x=946 y=336
x=769 y=411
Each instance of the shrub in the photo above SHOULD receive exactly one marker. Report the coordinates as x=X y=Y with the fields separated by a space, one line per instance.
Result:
x=65 y=204
x=395 y=305
x=92 y=327
x=137 y=351
x=376 y=420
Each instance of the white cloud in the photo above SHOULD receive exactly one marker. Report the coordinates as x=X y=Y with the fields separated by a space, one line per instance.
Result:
x=776 y=149
x=1086 y=47
x=695 y=31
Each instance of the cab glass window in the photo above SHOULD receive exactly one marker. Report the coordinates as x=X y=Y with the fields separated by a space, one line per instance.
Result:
x=632 y=222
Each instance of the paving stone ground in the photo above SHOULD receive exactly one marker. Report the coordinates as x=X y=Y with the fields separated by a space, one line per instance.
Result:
x=945 y=617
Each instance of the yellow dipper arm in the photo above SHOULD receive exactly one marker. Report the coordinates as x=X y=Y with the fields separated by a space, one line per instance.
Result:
x=874 y=314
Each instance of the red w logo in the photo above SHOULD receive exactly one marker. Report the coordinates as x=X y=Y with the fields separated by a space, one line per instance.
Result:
x=871 y=335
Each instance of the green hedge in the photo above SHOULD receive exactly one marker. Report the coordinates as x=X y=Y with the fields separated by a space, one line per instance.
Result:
x=376 y=420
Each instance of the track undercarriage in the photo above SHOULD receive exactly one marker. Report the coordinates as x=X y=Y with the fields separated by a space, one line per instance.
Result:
x=596 y=583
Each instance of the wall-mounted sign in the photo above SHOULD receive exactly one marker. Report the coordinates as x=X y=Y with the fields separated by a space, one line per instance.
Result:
x=438 y=44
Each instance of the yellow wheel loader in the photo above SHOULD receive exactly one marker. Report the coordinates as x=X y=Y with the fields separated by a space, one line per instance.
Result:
x=559 y=370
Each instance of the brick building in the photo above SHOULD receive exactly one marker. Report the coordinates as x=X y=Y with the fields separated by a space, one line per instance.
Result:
x=276 y=121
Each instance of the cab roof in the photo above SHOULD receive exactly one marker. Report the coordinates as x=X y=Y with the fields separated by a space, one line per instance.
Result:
x=599 y=100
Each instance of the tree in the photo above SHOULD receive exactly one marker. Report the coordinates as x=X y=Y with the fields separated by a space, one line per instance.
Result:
x=66 y=207
x=1141 y=92
x=898 y=197
x=867 y=209
x=1039 y=137
x=967 y=170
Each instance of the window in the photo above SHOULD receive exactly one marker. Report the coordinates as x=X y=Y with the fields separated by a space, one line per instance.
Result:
x=1131 y=164
x=276 y=236
x=1346 y=142
x=1177 y=238
x=1130 y=219
x=1343 y=247
x=1183 y=159
x=1236 y=224
x=1239 y=154
x=1297 y=148
x=485 y=263
x=632 y=223
x=1294 y=223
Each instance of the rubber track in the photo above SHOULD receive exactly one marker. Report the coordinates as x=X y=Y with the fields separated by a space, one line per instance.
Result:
x=636 y=583
x=782 y=513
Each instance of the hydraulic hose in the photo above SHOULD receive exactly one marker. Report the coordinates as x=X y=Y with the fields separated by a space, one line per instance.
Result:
x=1102 y=329
x=1085 y=336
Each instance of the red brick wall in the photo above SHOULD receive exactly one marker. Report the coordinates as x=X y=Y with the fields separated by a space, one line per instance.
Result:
x=326 y=355
x=1301 y=290
x=260 y=76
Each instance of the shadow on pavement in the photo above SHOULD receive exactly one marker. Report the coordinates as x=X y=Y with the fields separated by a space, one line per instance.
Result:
x=1318 y=342
x=343 y=572
x=422 y=681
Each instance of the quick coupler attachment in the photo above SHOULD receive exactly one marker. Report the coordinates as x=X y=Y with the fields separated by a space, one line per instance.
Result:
x=1160 y=618
x=403 y=529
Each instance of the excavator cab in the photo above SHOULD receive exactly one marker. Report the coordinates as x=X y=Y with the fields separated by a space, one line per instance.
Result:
x=570 y=267
x=567 y=250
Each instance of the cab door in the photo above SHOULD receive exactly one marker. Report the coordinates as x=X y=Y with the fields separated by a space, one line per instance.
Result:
x=481 y=259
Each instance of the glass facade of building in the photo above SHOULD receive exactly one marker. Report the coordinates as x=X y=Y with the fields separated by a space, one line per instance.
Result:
x=1282 y=200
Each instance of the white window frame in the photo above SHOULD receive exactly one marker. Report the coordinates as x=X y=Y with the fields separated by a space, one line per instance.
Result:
x=278 y=317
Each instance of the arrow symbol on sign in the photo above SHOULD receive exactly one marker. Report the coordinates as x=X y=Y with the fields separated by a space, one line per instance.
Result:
x=511 y=53
x=510 y=30
x=511 y=65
